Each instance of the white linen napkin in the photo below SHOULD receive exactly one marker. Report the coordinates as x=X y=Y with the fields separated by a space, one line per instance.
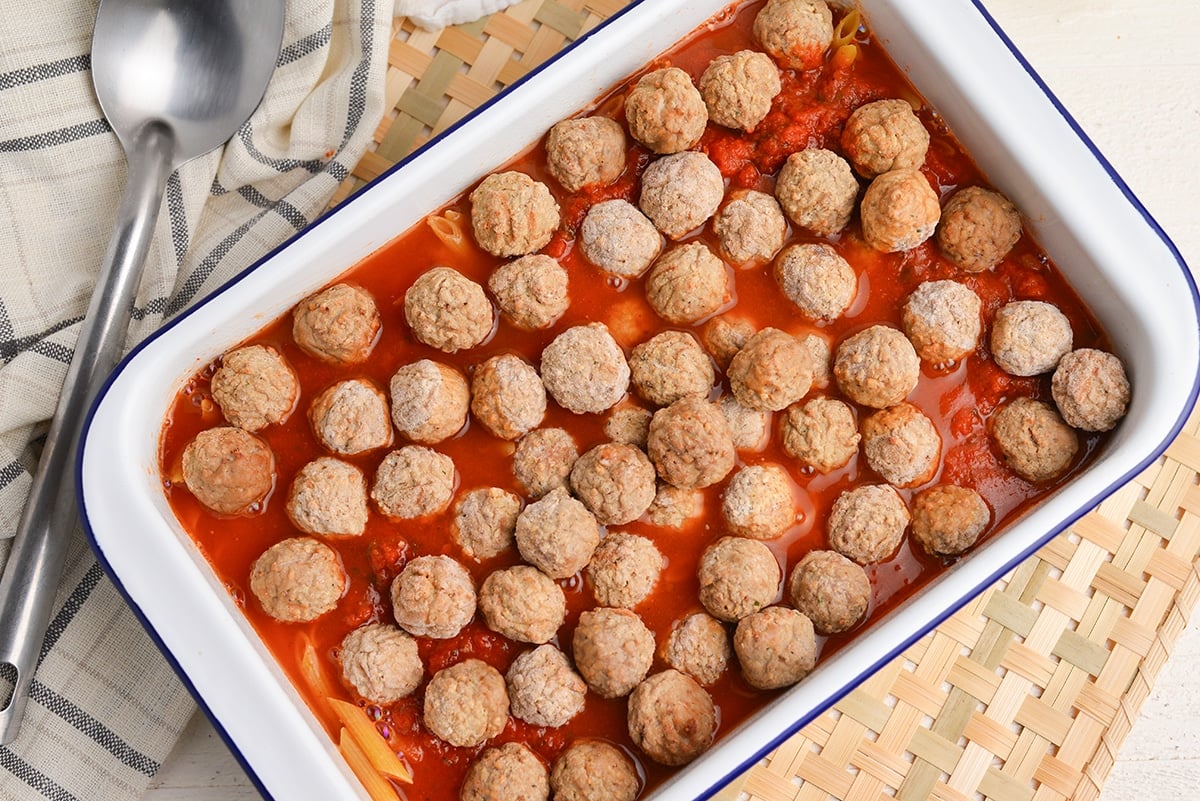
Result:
x=432 y=14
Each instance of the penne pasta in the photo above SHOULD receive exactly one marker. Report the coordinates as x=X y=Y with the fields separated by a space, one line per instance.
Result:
x=376 y=749
x=376 y=786
x=449 y=228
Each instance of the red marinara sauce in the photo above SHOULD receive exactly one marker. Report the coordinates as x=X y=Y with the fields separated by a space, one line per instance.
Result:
x=810 y=111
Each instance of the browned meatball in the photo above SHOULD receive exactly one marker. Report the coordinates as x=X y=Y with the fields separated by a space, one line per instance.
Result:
x=832 y=591
x=978 y=228
x=749 y=427
x=448 y=311
x=680 y=192
x=941 y=319
x=699 y=646
x=228 y=470
x=298 y=579
x=340 y=324
x=624 y=569
x=724 y=336
x=796 y=32
x=690 y=444
x=433 y=596
x=738 y=88
x=544 y=689
x=630 y=426
x=584 y=369
x=1090 y=389
x=512 y=214
x=817 y=280
x=821 y=433
x=381 y=663
x=737 y=577
x=615 y=481
x=557 y=534
x=507 y=772
x=1034 y=440
x=351 y=417
x=665 y=111
x=821 y=356
x=429 y=401
x=484 y=522
x=671 y=718
x=670 y=366
x=1029 y=337
x=775 y=646
x=750 y=227
x=413 y=482
x=899 y=211
x=758 y=502
x=884 y=135
x=507 y=396
x=902 y=445
x=616 y=237
x=329 y=497
x=817 y=190
x=687 y=284
x=255 y=387
x=523 y=604
x=531 y=291
x=613 y=650
x=867 y=523
x=585 y=151
x=947 y=520
x=593 y=770
x=674 y=506
x=877 y=367
x=466 y=704
x=772 y=372
x=543 y=460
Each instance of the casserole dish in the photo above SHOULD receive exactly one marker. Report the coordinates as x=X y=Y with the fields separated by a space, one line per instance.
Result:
x=1080 y=214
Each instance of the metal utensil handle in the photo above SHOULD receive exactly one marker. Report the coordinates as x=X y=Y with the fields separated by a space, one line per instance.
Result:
x=35 y=565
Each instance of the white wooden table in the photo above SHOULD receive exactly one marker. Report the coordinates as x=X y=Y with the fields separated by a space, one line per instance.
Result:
x=1129 y=71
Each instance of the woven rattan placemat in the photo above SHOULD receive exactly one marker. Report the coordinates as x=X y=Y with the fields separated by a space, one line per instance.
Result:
x=1028 y=692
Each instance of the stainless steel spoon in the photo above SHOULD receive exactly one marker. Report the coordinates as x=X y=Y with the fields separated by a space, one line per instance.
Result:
x=176 y=79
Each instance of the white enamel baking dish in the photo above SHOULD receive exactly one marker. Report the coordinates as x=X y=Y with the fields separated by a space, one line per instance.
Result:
x=1111 y=250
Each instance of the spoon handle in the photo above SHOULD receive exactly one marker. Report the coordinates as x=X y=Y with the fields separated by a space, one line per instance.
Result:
x=35 y=565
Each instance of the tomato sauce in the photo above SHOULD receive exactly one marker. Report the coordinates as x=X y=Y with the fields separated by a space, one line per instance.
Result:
x=810 y=112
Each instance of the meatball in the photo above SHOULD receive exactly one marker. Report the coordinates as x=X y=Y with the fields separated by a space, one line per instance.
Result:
x=817 y=190
x=413 y=482
x=665 y=112
x=624 y=569
x=699 y=646
x=737 y=577
x=1034 y=440
x=557 y=534
x=584 y=369
x=947 y=520
x=255 y=387
x=941 y=319
x=429 y=401
x=671 y=718
x=738 y=88
x=329 y=497
x=229 y=470
x=448 y=311
x=543 y=688
x=867 y=523
x=776 y=647
x=586 y=151
x=750 y=227
x=795 y=32
x=758 y=502
x=821 y=433
x=381 y=663
x=772 y=372
x=340 y=324
x=690 y=444
x=749 y=427
x=298 y=579
x=670 y=366
x=724 y=336
x=1090 y=389
x=543 y=460
x=978 y=228
x=466 y=704
x=531 y=291
x=902 y=445
x=884 y=135
x=820 y=354
x=817 y=280
x=1029 y=337
x=899 y=211
x=507 y=772
x=512 y=214
x=351 y=417
x=593 y=770
x=832 y=591
x=523 y=604
x=680 y=192
x=614 y=481
x=877 y=367
x=687 y=284
x=630 y=426
x=616 y=237
x=673 y=506
x=484 y=521
x=613 y=650
x=507 y=396
x=433 y=596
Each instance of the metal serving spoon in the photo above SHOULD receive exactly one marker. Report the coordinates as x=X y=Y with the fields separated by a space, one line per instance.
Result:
x=176 y=79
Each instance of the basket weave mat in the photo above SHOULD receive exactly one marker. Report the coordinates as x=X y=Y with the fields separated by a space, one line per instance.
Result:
x=1028 y=692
